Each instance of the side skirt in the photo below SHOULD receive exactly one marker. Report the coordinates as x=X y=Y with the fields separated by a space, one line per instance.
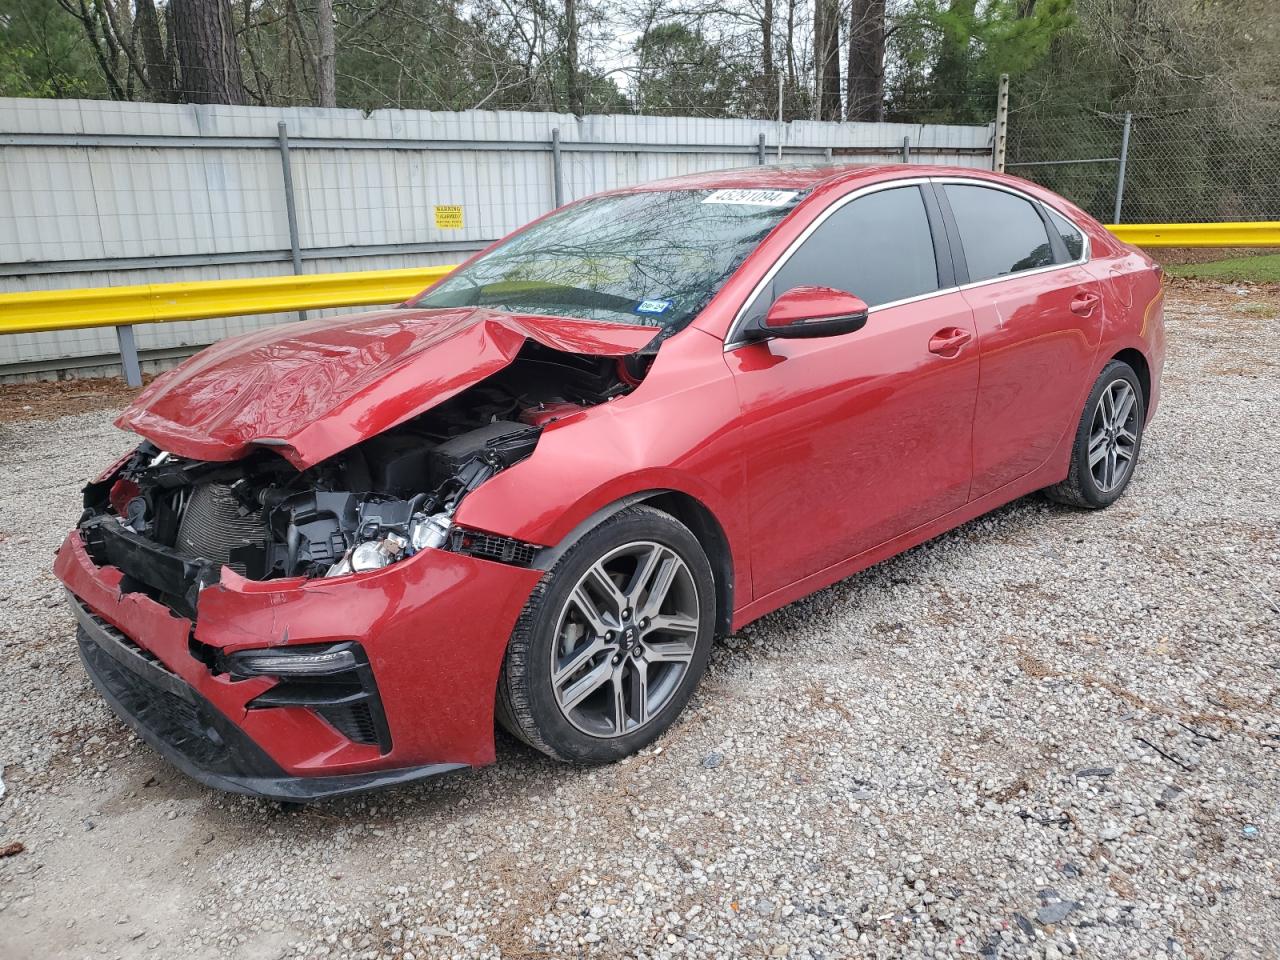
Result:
x=1041 y=478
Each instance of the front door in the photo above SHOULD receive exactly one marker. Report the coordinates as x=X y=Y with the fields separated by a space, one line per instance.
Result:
x=852 y=440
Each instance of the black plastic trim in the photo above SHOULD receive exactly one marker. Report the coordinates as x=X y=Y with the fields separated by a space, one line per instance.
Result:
x=1056 y=245
x=959 y=263
x=324 y=691
x=942 y=254
x=176 y=578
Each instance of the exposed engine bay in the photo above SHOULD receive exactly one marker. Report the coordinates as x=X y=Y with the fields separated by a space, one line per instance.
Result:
x=373 y=504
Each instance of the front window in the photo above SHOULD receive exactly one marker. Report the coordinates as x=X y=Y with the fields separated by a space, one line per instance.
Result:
x=651 y=258
x=878 y=247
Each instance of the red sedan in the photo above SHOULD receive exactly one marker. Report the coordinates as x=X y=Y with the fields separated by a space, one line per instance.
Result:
x=540 y=490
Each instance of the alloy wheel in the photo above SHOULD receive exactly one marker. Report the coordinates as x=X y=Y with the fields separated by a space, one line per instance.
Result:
x=624 y=639
x=1113 y=436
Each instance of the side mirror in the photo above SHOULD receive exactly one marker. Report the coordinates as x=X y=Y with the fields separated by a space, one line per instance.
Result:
x=812 y=312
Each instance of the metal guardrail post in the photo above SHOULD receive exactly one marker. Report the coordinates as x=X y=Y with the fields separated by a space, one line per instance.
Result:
x=290 y=205
x=906 y=149
x=1000 y=144
x=557 y=168
x=1124 y=158
x=129 y=355
x=760 y=152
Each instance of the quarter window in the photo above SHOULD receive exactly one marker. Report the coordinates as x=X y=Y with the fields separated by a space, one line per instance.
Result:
x=1001 y=233
x=877 y=247
x=1071 y=237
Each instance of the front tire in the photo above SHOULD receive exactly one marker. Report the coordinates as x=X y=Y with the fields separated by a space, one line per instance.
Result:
x=1107 y=442
x=612 y=642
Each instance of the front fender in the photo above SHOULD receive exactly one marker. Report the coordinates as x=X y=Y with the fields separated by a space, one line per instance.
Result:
x=678 y=431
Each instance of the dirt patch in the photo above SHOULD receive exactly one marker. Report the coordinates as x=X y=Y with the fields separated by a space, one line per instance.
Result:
x=50 y=399
x=1195 y=295
x=1176 y=256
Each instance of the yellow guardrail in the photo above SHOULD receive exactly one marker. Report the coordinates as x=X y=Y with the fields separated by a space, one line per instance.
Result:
x=201 y=299
x=1253 y=234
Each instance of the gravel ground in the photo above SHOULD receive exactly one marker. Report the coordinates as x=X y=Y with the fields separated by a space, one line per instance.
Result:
x=1048 y=733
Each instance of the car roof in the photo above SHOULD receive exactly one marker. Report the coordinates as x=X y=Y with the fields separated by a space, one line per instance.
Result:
x=801 y=176
x=817 y=179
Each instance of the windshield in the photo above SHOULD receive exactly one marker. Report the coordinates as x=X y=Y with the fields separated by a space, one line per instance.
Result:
x=653 y=259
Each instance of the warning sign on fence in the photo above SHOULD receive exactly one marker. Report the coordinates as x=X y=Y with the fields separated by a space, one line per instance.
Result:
x=448 y=216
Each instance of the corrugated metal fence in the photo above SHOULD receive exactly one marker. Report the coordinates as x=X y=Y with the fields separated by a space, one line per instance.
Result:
x=99 y=194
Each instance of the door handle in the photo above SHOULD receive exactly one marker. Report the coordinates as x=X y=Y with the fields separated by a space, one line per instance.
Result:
x=948 y=341
x=1083 y=303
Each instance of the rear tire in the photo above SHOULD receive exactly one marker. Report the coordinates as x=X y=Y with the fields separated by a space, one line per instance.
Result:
x=612 y=642
x=1108 y=440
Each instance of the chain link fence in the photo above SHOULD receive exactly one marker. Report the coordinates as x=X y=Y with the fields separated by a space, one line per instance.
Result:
x=1178 y=162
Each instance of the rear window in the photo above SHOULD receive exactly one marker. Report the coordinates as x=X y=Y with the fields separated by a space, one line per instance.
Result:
x=1002 y=234
x=1072 y=239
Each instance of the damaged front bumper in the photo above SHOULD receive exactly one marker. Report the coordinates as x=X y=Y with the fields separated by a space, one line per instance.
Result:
x=189 y=732
x=432 y=630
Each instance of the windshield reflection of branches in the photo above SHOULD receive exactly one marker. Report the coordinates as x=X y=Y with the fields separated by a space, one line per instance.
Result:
x=604 y=257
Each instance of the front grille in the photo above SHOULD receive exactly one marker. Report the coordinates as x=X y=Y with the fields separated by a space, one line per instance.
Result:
x=179 y=722
x=215 y=522
x=127 y=642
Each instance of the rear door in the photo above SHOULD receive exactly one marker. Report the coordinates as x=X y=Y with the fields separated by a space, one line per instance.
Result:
x=1038 y=314
x=852 y=440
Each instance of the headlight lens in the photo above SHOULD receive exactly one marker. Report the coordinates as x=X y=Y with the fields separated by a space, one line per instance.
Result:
x=370 y=555
x=430 y=532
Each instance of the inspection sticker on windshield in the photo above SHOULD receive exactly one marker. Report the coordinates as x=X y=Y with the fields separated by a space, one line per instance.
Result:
x=653 y=306
x=752 y=198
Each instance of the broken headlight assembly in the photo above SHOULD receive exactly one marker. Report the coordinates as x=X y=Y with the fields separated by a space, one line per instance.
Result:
x=373 y=506
x=372 y=554
x=464 y=462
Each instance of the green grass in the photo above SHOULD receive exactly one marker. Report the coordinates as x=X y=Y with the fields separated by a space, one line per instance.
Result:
x=1263 y=269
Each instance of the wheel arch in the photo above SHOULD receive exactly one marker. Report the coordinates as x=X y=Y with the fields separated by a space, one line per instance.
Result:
x=690 y=511
x=695 y=515
x=1138 y=362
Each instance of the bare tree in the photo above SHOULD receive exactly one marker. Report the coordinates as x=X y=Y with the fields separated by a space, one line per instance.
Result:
x=573 y=78
x=865 y=89
x=826 y=59
x=209 y=59
x=326 y=56
x=766 y=48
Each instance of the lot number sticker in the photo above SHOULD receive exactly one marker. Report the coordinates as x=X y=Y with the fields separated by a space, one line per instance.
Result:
x=752 y=198
x=449 y=216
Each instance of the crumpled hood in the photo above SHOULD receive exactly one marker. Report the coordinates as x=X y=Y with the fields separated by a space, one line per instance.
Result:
x=313 y=389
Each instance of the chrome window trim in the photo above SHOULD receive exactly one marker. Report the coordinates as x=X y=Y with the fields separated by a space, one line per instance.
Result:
x=739 y=317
